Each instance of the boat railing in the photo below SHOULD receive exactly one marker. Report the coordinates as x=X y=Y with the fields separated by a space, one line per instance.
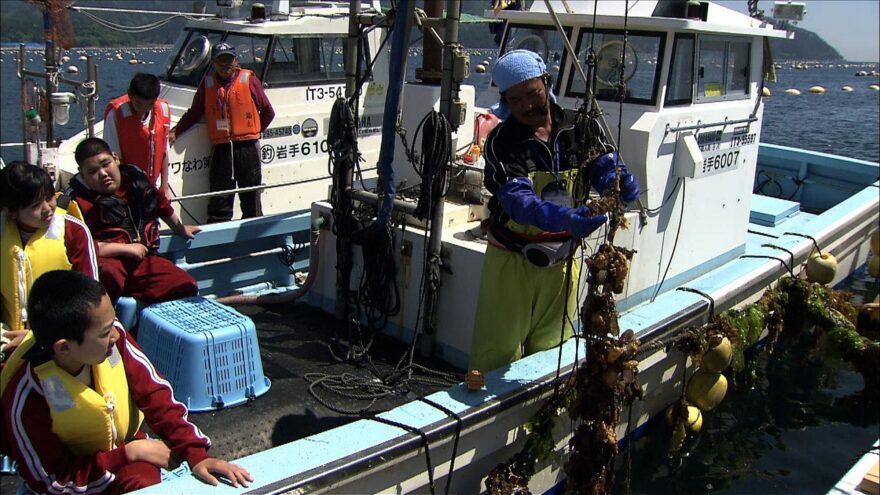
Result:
x=87 y=89
x=699 y=125
x=259 y=187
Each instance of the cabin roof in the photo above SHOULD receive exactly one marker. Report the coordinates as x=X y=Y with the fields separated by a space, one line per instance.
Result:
x=610 y=14
x=311 y=20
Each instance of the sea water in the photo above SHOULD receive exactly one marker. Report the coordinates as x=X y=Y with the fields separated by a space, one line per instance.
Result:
x=837 y=122
x=798 y=429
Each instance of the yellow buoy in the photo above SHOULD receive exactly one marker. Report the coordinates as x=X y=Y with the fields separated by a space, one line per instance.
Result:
x=875 y=242
x=480 y=69
x=706 y=389
x=718 y=357
x=874 y=266
x=817 y=89
x=875 y=87
x=133 y=61
x=694 y=420
x=765 y=91
x=846 y=89
x=821 y=268
x=792 y=91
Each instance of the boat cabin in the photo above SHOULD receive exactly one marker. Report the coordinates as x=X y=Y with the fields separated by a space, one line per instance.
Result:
x=296 y=49
x=691 y=113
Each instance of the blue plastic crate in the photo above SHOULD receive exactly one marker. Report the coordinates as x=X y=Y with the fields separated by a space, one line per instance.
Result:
x=208 y=351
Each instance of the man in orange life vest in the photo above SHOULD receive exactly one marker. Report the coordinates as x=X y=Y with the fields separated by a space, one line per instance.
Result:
x=236 y=111
x=136 y=127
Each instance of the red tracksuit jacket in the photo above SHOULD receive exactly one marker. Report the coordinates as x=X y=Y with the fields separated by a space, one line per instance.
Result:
x=47 y=466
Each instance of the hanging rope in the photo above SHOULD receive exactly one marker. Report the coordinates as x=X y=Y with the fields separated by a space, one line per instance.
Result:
x=432 y=164
x=132 y=29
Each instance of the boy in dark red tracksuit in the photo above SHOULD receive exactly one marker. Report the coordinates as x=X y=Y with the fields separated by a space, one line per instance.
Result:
x=122 y=209
x=73 y=414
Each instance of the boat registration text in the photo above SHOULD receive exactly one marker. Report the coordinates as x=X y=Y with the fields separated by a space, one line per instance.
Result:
x=721 y=161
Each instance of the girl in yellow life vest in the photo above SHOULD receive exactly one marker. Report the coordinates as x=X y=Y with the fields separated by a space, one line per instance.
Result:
x=74 y=408
x=36 y=236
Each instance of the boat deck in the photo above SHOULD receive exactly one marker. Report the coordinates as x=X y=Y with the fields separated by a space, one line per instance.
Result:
x=296 y=339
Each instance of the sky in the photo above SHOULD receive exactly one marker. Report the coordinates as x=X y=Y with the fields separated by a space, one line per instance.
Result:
x=850 y=26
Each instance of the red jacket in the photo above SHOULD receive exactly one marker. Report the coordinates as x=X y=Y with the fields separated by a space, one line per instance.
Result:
x=141 y=145
x=81 y=250
x=129 y=216
x=47 y=466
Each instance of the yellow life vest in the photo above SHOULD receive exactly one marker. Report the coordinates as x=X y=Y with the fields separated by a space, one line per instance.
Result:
x=89 y=420
x=21 y=265
x=44 y=252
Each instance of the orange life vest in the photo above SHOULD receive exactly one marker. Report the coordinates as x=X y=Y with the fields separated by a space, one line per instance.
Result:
x=231 y=115
x=141 y=145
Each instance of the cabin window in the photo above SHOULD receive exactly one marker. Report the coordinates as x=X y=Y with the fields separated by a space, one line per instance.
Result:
x=641 y=69
x=543 y=40
x=723 y=69
x=192 y=56
x=297 y=60
x=680 y=88
x=251 y=51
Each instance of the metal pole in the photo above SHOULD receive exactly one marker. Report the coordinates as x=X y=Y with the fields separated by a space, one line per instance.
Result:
x=51 y=71
x=448 y=87
x=343 y=215
x=351 y=47
x=93 y=80
x=431 y=71
x=23 y=79
x=448 y=93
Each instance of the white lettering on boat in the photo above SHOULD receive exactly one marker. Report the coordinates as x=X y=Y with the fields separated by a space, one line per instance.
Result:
x=323 y=92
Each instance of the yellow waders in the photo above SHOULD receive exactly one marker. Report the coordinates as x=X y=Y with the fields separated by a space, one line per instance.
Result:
x=520 y=308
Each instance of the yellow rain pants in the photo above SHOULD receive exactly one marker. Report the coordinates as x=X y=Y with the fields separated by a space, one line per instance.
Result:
x=520 y=308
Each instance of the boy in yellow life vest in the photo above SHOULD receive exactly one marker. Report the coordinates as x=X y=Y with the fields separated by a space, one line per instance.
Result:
x=73 y=409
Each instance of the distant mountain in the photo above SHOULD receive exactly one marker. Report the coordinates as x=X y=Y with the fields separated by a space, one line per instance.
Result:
x=806 y=46
x=20 y=21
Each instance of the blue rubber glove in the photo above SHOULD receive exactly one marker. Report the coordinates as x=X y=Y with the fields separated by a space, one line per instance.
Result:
x=602 y=174
x=518 y=199
x=581 y=222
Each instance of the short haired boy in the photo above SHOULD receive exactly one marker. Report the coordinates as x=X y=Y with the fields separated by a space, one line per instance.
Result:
x=36 y=236
x=136 y=126
x=122 y=209
x=74 y=409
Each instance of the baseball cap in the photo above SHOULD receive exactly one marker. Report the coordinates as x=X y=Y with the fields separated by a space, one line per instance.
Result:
x=222 y=48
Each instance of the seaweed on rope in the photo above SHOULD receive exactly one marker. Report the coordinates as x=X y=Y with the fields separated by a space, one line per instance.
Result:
x=608 y=379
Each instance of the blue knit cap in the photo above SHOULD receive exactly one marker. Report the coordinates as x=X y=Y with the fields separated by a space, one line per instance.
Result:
x=513 y=68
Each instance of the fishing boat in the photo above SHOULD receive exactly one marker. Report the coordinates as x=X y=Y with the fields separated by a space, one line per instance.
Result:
x=722 y=218
x=296 y=49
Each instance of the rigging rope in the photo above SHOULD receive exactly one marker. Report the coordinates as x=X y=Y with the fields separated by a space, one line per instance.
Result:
x=132 y=29
x=432 y=163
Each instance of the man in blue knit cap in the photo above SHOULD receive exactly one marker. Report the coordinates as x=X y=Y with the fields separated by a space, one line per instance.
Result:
x=535 y=224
